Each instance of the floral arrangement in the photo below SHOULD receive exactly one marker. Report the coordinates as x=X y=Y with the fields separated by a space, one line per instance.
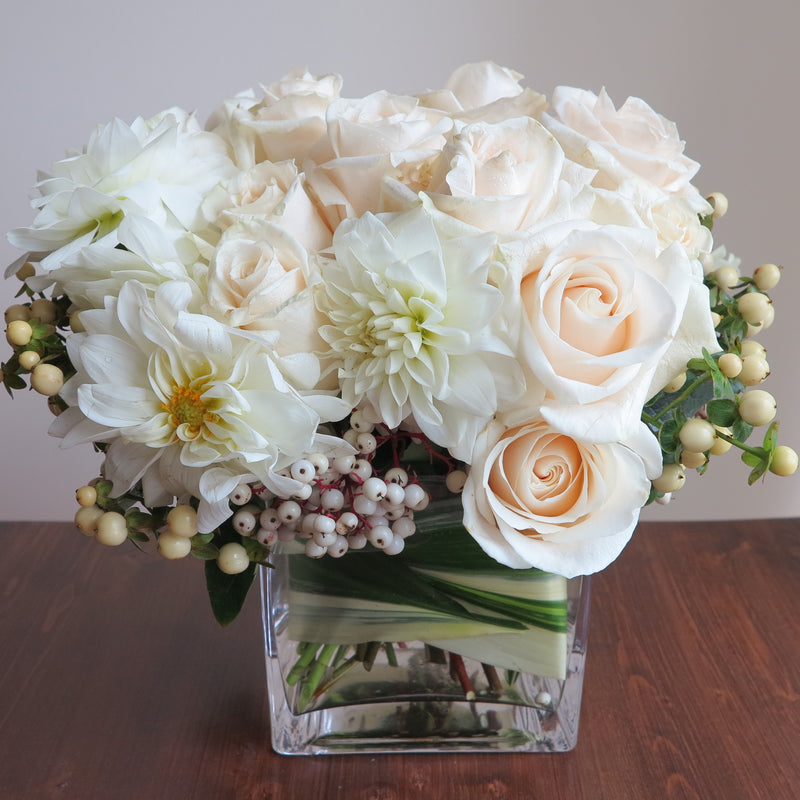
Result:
x=279 y=327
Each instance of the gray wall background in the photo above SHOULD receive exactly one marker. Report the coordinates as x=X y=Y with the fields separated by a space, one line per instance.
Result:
x=725 y=70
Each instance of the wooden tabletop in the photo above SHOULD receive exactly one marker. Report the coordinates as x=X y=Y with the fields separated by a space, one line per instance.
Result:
x=116 y=683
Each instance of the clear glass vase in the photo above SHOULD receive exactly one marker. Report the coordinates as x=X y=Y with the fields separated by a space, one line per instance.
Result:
x=415 y=696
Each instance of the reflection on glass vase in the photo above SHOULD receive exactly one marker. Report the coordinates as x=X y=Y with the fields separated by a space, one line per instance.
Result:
x=351 y=677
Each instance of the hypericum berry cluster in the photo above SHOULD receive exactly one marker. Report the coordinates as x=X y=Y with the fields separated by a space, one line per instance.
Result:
x=342 y=504
x=39 y=353
x=713 y=406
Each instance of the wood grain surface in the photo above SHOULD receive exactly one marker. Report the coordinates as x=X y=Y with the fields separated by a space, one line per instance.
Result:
x=116 y=684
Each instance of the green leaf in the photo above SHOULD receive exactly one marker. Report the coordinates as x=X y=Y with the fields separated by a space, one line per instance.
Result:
x=757 y=472
x=771 y=437
x=668 y=436
x=227 y=593
x=741 y=430
x=204 y=551
x=551 y=615
x=751 y=459
x=722 y=412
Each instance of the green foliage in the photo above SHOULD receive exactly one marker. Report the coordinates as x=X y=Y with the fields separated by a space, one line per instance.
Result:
x=227 y=593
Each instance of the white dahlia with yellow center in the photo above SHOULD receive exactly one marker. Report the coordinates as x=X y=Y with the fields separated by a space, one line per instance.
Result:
x=186 y=404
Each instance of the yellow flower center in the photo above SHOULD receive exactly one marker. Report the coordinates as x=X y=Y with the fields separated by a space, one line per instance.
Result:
x=188 y=412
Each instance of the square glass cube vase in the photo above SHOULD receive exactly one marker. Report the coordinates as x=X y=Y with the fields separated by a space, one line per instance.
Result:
x=417 y=696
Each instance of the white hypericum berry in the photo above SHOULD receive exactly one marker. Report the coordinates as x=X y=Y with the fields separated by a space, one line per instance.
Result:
x=233 y=558
x=244 y=520
x=395 y=494
x=47 y=379
x=366 y=443
x=403 y=527
x=44 y=310
x=182 y=521
x=289 y=511
x=360 y=422
x=241 y=495
x=719 y=203
x=362 y=470
x=755 y=370
x=313 y=550
x=302 y=492
x=697 y=435
x=750 y=347
x=767 y=276
x=339 y=547
x=396 y=475
x=395 y=547
x=692 y=460
x=28 y=359
x=455 y=480
x=286 y=534
x=324 y=538
x=320 y=462
x=392 y=510
x=346 y=523
x=19 y=332
x=172 y=547
x=672 y=478
x=757 y=407
x=269 y=519
x=754 y=307
x=331 y=499
x=363 y=505
x=784 y=461
x=323 y=524
x=414 y=495
x=357 y=540
x=86 y=496
x=350 y=436
x=112 y=529
x=726 y=277
x=730 y=365
x=17 y=311
x=266 y=536
x=380 y=536
x=721 y=446
x=676 y=383
x=303 y=470
x=86 y=519
x=374 y=489
x=344 y=464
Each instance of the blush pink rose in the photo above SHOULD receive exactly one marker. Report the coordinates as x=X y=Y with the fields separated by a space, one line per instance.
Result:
x=535 y=497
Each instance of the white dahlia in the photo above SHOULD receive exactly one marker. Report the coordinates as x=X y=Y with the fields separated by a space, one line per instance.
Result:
x=183 y=401
x=414 y=326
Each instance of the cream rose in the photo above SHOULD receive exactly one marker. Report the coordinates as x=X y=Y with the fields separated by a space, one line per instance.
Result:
x=634 y=140
x=600 y=307
x=535 y=497
x=485 y=91
x=505 y=176
x=259 y=280
x=382 y=137
x=283 y=124
x=274 y=192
